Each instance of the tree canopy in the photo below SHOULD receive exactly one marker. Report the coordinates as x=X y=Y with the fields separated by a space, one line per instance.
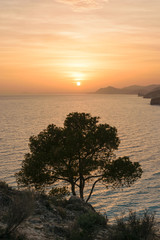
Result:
x=80 y=152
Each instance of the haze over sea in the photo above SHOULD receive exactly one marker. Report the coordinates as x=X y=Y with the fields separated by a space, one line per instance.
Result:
x=138 y=125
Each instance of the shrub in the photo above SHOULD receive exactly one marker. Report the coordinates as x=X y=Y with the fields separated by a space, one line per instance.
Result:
x=80 y=235
x=3 y=185
x=135 y=227
x=85 y=226
x=62 y=211
x=19 y=209
x=89 y=221
x=59 y=193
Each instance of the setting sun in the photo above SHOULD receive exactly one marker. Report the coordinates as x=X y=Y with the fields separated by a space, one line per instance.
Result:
x=78 y=83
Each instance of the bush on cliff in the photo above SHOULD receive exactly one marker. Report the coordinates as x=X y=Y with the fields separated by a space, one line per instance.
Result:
x=86 y=226
x=135 y=227
x=15 y=207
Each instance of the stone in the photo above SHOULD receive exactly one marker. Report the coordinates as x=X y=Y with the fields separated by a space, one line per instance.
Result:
x=3 y=228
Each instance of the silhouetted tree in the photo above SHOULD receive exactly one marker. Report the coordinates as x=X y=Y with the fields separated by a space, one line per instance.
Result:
x=80 y=152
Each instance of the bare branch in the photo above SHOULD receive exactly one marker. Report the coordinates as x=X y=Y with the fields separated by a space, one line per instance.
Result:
x=77 y=179
x=59 y=178
x=93 y=188
x=95 y=176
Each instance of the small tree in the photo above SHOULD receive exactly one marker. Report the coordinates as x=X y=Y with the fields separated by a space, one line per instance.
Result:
x=80 y=152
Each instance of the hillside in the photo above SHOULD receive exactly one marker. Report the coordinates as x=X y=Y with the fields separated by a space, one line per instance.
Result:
x=108 y=90
x=34 y=216
x=26 y=215
x=153 y=94
x=134 y=89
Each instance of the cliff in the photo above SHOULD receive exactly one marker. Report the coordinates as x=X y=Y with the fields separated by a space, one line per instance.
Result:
x=155 y=101
x=153 y=94
x=32 y=216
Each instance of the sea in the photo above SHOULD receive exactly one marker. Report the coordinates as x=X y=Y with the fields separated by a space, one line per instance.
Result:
x=138 y=125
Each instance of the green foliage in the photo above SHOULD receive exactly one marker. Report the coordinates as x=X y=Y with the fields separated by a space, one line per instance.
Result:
x=59 y=193
x=89 y=221
x=122 y=172
x=80 y=235
x=135 y=227
x=86 y=225
x=4 y=187
x=81 y=151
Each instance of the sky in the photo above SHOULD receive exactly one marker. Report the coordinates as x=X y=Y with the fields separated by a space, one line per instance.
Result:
x=56 y=46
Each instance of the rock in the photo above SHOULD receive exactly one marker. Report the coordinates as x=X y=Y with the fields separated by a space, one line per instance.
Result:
x=48 y=220
x=155 y=101
x=3 y=228
x=77 y=204
x=75 y=199
x=31 y=233
x=101 y=235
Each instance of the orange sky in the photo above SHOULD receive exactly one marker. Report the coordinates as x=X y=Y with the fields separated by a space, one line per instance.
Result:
x=48 y=46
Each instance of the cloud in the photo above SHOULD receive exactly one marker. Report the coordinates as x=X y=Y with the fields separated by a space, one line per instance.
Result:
x=81 y=5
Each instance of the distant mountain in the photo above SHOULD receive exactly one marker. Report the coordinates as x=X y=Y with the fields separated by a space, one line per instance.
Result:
x=108 y=90
x=134 y=89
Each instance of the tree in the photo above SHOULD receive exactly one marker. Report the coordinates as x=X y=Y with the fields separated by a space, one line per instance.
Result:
x=80 y=152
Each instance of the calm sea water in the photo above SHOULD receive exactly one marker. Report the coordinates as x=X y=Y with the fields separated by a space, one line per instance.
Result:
x=138 y=125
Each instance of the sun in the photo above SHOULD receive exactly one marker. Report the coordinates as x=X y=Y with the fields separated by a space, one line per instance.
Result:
x=78 y=84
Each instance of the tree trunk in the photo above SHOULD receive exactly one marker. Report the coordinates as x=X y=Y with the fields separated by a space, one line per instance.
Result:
x=81 y=179
x=73 y=189
x=81 y=188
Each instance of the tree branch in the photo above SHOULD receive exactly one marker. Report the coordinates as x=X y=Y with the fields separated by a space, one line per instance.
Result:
x=59 y=178
x=93 y=188
x=77 y=185
x=95 y=176
x=77 y=179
